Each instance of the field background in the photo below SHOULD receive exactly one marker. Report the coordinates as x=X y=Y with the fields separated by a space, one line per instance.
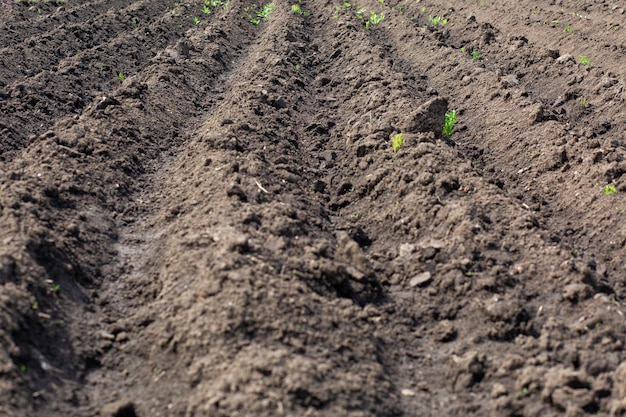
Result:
x=202 y=213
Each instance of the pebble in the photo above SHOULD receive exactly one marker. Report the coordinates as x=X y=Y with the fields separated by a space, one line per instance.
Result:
x=421 y=279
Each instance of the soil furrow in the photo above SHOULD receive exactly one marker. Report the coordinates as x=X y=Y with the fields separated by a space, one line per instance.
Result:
x=77 y=192
x=94 y=67
x=268 y=229
x=20 y=21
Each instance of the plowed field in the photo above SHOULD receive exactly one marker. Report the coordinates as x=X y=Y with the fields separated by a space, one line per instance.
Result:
x=206 y=208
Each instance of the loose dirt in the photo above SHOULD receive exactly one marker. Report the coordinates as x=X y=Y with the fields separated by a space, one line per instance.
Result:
x=203 y=216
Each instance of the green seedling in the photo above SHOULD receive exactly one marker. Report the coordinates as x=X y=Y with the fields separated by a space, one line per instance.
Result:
x=568 y=29
x=56 y=287
x=263 y=14
x=583 y=100
x=609 y=189
x=463 y=49
x=359 y=13
x=298 y=67
x=397 y=142
x=423 y=10
x=206 y=9
x=23 y=368
x=374 y=19
x=437 y=20
x=266 y=11
x=583 y=60
x=196 y=20
x=475 y=55
x=448 y=123
x=35 y=305
x=295 y=8
x=121 y=76
x=346 y=5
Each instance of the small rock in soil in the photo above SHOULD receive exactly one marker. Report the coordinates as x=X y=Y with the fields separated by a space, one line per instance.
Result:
x=421 y=279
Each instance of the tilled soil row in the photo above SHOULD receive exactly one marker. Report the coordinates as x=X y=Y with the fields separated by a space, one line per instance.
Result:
x=229 y=229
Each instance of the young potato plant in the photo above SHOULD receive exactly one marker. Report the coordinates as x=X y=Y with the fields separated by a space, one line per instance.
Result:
x=374 y=19
x=397 y=142
x=583 y=60
x=437 y=20
x=263 y=14
x=450 y=120
x=609 y=189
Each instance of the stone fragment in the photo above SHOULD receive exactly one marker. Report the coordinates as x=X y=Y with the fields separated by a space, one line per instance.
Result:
x=421 y=279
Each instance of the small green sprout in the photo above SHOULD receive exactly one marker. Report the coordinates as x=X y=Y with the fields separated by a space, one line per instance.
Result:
x=374 y=19
x=437 y=20
x=583 y=100
x=397 y=142
x=295 y=8
x=206 y=9
x=35 y=305
x=448 y=123
x=463 y=49
x=609 y=189
x=359 y=13
x=423 y=10
x=23 y=368
x=121 y=76
x=568 y=29
x=524 y=390
x=475 y=55
x=56 y=287
x=266 y=11
x=583 y=60
x=298 y=67
x=196 y=20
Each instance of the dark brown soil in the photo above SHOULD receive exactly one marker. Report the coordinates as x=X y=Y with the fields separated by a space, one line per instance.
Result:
x=200 y=216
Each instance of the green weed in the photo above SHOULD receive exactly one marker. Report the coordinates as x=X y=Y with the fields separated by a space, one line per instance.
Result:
x=295 y=8
x=475 y=55
x=583 y=60
x=568 y=29
x=121 y=76
x=196 y=20
x=449 y=121
x=397 y=142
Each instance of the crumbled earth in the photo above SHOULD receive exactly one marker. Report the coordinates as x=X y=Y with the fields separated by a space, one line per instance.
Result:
x=202 y=215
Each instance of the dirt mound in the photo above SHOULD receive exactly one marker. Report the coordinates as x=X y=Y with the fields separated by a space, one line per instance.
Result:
x=225 y=208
